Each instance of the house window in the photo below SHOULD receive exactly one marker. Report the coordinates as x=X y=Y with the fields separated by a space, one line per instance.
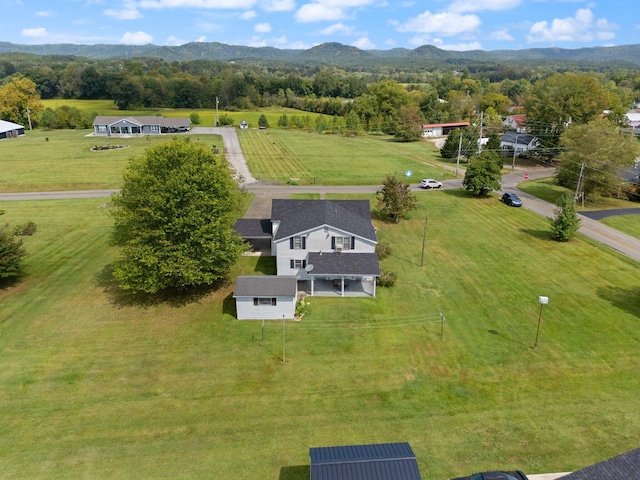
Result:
x=297 y=263
x=154 y=128
x=298 y=243
x=262 y=301
x=342 y=243
x=102 y=128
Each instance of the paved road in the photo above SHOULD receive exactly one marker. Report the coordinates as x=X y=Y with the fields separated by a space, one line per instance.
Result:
x=265 y=192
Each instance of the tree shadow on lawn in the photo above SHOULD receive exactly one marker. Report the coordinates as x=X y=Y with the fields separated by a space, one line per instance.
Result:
x=177 y=297
x=623 y=298
x=539 y=234
x=296 y=472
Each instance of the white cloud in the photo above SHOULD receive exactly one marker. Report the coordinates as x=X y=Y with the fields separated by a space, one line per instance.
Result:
x=34 y=32
x=136 y=38
x=479 y=6
x=328 y=10
x=337 y=29
x=206 y=4
x=459 y=47
x=278 y=5
x=202 y=38
x=45 y=14
x=445 y=23
x=174 y=41
x=364 y=43
x=502 y=34
x=573 y=29
x=262 y=28
x=248 y=15
x=316 y=12
x=124 y=14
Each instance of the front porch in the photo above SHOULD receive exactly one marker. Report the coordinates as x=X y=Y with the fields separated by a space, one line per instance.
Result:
x=334 y=287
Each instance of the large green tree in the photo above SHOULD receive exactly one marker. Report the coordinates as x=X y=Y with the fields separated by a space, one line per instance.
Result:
x=467 y=147
x=408 y=124
x=11 y=254
x=483 y=173
x=395 y=198
x=561 y=100
x=603 y=149
x=174 y=219
x=19 y=101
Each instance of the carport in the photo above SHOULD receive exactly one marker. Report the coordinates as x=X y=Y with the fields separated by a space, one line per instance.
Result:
x=256 y=232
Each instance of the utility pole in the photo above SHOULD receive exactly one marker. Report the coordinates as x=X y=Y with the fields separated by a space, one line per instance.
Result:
x=480 y=139
x=424 y=237
x=515 y=148
x=217 y=111
x=29 y=117
x=459 y=149
x=580 y=182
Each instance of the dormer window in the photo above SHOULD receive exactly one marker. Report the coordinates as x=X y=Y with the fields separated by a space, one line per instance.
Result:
x=343 y=243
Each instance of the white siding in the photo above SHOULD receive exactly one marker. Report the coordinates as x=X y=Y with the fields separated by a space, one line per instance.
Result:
x=318 y=240
x=246 y=310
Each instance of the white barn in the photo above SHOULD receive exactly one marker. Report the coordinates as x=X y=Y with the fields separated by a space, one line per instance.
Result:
x=10 y=129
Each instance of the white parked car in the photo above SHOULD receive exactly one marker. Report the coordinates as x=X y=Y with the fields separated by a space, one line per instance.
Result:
x=430 y=183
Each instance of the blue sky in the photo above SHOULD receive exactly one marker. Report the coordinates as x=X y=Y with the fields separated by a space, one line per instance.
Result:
x=367 y=24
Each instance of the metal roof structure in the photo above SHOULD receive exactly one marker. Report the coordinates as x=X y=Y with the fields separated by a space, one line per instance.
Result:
x=266 y=286
x=519 y=138
x=384 y=461
x=621 y=467
x=6 y=126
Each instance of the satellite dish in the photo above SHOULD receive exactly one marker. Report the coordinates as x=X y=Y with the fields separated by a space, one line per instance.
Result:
x=308 y=268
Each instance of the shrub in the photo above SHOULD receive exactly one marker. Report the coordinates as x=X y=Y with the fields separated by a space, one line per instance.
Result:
x=387 y=279
x=383 y=250
x=26 y=229
x=302 y=307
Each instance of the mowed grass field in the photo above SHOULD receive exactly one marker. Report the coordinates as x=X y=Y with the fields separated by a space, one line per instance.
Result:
x=207 y=115
x=305 y=158
x=96 y=384
x=49 y=160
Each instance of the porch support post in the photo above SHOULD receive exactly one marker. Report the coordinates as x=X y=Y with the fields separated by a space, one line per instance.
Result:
x=313 y=283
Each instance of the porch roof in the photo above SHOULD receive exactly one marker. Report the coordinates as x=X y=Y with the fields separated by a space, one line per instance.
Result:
x=266 y=286
x=344 y=263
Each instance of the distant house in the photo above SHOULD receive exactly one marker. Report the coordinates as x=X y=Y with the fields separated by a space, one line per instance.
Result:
x=268 y=297
x=516 y=122
x=244 y=124
x=328 y=245
x=440 y=129
x=515 y=143
x=10 y=129
x=633 y=120
x=151 y=125
x=388 y=461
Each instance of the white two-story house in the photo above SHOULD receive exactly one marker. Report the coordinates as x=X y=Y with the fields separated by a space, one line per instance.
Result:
x=328 y=245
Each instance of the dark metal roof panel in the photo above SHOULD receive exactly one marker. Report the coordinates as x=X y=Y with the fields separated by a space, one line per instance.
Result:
x=519 y=138
x=621 y=467
x=253 y=227
x=265 y=286
x=344 y=263
x=385 y=461
x=295 y=216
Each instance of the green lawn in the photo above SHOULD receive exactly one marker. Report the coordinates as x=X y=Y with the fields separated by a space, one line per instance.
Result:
x=629 y=224
x=310 y=158
x=96 y=384
x=49 y=160
x=207 y=115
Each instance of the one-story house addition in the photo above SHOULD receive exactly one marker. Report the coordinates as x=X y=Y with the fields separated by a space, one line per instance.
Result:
x=149 y=125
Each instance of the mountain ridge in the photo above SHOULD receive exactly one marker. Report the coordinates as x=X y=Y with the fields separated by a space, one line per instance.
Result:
x=330 y=53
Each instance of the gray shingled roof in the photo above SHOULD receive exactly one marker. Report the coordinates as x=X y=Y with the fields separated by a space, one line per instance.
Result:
x=144 y=120
x=265 y=286
x=344 y=263
x=622 y=467
x=253 y=227
x=385 y=461
x=519 y=138
x=295 y=216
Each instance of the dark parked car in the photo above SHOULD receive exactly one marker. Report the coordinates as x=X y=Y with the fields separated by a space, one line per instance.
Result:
x=512 y=199
x=496 y=475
